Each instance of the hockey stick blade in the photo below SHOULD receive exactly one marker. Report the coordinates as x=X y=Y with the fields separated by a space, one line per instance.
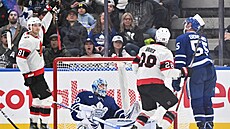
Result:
x=11 y=122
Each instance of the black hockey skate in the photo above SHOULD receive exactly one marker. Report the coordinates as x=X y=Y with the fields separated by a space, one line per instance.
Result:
x=33 y=125
x=134 y=127
x=158 y=127
x=44 y=126
x=209 y=125
x=201 y=125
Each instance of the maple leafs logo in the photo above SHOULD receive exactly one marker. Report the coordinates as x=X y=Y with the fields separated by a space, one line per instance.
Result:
x=100 y=110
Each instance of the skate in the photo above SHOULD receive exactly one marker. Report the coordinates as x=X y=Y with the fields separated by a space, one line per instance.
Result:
x=44 y=126
x=33 y=125
x=134 y=127
x=201 y=125
x=209 y=125
x=158 y=127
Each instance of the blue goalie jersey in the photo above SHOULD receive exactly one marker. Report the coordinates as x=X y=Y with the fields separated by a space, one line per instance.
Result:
x=106 y=105
x=185 y=48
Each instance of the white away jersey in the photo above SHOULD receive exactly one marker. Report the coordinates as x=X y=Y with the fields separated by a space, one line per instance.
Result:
x=30 y=57
x=153 y=63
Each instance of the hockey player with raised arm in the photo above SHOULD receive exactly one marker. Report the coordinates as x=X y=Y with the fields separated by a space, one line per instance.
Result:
x=31 y=63
x=104 y=106
x=152 y=65
x=201 y=86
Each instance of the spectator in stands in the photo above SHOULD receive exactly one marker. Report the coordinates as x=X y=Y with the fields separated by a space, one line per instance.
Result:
x=175 y=10
x=117 y=48
x=15 y=28
x=7 y=54
x=172 y=6
x=73 y=34
x=149 y=15
x=9 y=4
x=121 y=4
x=24 y=13
x=86 y=19
x=132 y=35
x=98 y=5
x=227 y=33
x=3 y=14
x=72 y=4
x=97 y=34
x=114 y=14
x=51 y=53
x=89 y=49
x=35 y=3
x=36 y=10
x=226 y=48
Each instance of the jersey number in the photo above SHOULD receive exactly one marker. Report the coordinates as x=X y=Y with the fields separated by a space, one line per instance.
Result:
x=202 y=49
x=148 y=61
x=21 y=53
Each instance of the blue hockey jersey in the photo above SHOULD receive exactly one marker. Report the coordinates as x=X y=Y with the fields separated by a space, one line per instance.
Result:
x=107 y=104
x=185 y=47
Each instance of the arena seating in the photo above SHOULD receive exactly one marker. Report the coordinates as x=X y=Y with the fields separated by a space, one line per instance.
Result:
x=208 y=9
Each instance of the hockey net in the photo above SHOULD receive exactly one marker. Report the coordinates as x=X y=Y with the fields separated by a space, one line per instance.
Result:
x=72 y=75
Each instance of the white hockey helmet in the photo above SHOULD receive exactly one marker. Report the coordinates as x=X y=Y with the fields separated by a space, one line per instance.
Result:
x=32 y=21
x=99 y=86
x=162 y=35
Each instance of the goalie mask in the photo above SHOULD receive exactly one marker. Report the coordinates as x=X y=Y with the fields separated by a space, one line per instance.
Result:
x=162 y=36
x=100 y=87
x=32 y=21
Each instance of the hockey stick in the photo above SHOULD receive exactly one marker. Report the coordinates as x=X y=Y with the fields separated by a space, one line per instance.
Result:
x=57 y=29
x=11 y=122
x=95 y=118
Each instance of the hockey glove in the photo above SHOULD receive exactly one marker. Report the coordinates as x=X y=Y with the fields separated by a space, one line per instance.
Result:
x=28 y=78
x=186 y=72
x=176 y=85
x=54 y=3
x=53 y=7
